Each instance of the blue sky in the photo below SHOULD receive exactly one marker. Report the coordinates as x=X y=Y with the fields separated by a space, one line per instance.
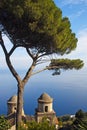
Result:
x=76 y=11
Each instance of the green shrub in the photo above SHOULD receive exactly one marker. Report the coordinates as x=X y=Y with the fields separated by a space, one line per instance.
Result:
x=37 y=126
x=4 y=124
x=80 y=114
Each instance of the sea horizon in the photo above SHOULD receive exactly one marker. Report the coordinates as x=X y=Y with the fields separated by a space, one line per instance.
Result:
x=68 y=91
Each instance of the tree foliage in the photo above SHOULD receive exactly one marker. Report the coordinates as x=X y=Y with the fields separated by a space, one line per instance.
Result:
x=64 y=64
x=32 y=125
x=38 y=24
x=4 y=124
x=80 y=121
x=80 y=114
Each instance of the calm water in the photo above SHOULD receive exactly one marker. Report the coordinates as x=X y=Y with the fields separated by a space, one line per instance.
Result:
x=69 y=90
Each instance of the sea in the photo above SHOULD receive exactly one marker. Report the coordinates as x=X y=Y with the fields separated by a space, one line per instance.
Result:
x=68 y=90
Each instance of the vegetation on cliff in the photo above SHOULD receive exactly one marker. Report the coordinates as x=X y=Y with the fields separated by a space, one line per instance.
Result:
x=79 y=122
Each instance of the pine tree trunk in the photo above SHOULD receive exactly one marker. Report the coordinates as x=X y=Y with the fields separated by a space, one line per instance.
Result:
x=19 y=105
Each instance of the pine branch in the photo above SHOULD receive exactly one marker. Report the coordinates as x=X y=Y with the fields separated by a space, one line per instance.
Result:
x=29 y=73
x=13 y=71
x=12 y=50
x=29 y=53
x=46 y=68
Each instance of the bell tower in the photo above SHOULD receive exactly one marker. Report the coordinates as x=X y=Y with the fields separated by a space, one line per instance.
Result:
x=45 y=109
x=12 y=105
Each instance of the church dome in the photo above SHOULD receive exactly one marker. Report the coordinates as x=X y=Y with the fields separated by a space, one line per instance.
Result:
x=13 y=99
x=45 y=98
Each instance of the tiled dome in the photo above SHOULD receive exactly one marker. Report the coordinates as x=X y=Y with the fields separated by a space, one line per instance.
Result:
x=13 y=99
x=45 y=98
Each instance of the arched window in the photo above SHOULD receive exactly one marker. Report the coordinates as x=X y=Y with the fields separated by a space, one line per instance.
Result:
x=46 y=108
x=15 y=109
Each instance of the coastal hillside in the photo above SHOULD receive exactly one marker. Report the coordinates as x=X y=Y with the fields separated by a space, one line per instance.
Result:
x=66 y=122
x=77 y=122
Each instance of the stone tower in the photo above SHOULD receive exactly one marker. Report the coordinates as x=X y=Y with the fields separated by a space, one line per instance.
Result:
x=45 y=109
x=12 y=105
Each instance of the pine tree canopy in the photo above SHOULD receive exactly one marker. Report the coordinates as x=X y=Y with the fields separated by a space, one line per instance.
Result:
x=37 y=24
